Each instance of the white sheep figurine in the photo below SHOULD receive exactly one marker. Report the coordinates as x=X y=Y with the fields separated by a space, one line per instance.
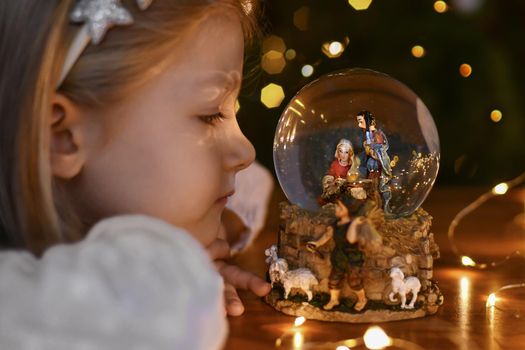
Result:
x=403 y=286
x=301 y=278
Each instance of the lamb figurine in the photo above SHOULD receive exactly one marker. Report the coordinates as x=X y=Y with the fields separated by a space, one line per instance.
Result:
x=301 y=278
x=403 y=286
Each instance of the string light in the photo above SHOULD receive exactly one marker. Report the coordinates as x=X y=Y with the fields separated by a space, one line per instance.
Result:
x=418 y=51
x=492 y=299
x=375 y=338
x=465 y=70
x=496 y=115
x=497 y=190
x=307 y=70
x=440 y=6
x=500 y=189
x=333 y=49
x=299 y=321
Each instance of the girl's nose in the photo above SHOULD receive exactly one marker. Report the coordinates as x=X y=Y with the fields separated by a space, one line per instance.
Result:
x=241 y=152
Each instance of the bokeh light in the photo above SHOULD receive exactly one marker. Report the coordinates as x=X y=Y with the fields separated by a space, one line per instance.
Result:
x=275 y=43
x=273 y=62
x=333 y=49
x=376 y=338
x=301 y=18
x=418 y=51
x=290 y=54
x=237 y=106
x=440 y=6
x=307 y=70
x=496 y=116
x=465 y=70
x=360 y=5
x=272 y=95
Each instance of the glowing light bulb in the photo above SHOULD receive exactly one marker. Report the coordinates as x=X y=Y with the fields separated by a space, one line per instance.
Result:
x=307 y=70
x=467 y=261
x=491 y=300
x=496 y=115
x=465 y=70
x=299 y=321
x=335 y=47
x=376 y=338
x=418 y=51
x=440 y=6
x=342 y=347
x=500 y=189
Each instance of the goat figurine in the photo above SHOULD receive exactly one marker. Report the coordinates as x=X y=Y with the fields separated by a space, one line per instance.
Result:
x=403 y=286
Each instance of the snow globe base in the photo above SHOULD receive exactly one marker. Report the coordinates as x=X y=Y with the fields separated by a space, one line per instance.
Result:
x=389 y=244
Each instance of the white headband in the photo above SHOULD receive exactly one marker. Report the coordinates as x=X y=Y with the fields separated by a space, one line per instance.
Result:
x=97 y=17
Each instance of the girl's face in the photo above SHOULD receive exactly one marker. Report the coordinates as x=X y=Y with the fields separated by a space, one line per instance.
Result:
x=342 y=153
x=172 y=148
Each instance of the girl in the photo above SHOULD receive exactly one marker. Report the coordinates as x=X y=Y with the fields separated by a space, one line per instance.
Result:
x=141 y=123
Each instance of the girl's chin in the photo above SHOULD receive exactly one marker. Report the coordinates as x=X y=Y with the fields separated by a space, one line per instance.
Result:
x=207 y=230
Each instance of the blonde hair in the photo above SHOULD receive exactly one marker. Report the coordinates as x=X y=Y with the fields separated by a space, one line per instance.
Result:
x=33 y=211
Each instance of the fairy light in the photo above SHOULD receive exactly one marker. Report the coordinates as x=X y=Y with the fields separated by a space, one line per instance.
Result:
x=418 y=51
x=465 y=70
x=307 y=70
x=497 y=190
x=491 y=300
x=496 y=116
x=467 y=261
x=440 y=6
x=299 y=321
x=375 y=338
x=500 y=189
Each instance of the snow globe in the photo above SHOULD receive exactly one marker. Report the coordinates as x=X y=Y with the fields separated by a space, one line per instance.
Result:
x=356 y=152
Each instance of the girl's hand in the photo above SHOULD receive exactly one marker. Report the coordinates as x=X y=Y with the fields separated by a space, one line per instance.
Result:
x=235 y=277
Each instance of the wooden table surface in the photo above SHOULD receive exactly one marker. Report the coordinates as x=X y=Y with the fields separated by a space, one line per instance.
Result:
x=463 y=322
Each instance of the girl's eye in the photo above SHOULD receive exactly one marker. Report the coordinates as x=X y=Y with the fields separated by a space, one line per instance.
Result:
x=212 y=118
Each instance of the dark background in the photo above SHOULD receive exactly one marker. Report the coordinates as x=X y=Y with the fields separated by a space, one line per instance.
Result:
x=487 y=34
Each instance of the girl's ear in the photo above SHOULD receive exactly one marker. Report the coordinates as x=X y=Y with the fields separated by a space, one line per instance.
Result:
x=67 y=150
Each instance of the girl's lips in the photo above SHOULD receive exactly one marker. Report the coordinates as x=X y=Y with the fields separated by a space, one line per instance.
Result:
x=224 y=199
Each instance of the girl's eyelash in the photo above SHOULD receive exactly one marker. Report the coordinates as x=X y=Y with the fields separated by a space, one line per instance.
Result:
x=212 y=118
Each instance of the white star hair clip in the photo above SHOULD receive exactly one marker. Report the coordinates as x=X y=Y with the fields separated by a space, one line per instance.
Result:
x=97 y=16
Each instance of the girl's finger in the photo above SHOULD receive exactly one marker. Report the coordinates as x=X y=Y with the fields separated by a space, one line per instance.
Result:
x=243 y=279
x=234 y=306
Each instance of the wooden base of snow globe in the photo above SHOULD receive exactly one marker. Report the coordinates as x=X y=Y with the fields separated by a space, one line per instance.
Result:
x=306 y=280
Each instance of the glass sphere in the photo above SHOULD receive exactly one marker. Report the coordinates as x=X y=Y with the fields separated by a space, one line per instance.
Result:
x=325 y=111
